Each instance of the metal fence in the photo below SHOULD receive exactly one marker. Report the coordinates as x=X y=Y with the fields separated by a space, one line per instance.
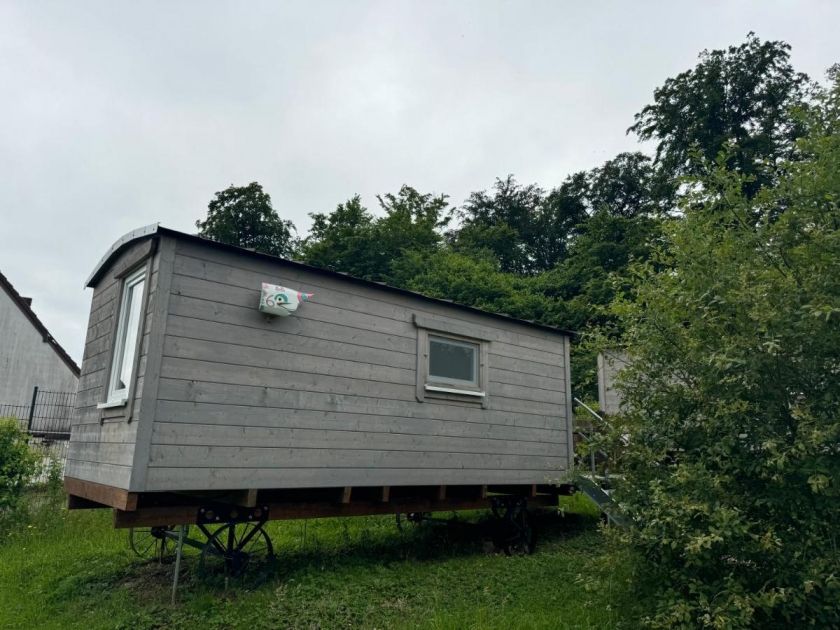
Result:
x=47 y=421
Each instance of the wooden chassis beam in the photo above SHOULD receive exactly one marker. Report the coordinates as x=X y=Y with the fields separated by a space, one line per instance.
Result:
x=98 y=493
x=150 y=509
x=183 y=515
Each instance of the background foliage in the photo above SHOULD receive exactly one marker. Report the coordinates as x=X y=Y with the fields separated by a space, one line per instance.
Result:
x=18 y=464
x=733 y=474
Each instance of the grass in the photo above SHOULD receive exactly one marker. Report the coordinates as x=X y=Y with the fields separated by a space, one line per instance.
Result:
x=72 y=570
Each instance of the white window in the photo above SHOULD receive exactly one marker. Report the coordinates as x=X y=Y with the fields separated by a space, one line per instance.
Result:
x=125 y=343
x=453 y=363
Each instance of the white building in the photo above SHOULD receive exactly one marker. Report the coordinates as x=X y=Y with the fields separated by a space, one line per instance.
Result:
x=29 y=355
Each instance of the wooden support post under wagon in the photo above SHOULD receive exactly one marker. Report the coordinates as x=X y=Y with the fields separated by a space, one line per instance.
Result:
x=222 y=388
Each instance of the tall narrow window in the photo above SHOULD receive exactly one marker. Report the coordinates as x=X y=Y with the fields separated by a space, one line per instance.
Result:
x=125 y=342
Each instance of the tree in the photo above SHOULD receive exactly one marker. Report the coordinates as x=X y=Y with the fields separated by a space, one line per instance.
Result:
x=351 y=239
x=558 y=221
x=501 y=223
x=343 y=240
x=733 y=469
x=477 y=282
x=528 y=231
x=244 y=216
x=412 y=224
x=743 y=96
x=630 y=185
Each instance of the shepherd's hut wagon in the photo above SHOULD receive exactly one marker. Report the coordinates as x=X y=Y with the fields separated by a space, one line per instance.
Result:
x=195 y=406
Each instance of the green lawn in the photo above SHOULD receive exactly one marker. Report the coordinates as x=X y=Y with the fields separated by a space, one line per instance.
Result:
x=72 y=570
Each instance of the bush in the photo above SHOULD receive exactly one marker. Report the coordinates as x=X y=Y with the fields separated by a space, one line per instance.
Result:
x=734 y=466
x=18 y=464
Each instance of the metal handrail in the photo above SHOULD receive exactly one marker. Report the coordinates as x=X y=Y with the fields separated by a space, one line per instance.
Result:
x=593 y=412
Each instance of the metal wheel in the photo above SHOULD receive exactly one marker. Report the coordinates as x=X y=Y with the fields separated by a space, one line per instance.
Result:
x=149 y=542
x=233 y=547
x=522 y=539
x=514 y=532
x=153 y=542
x=415 y=518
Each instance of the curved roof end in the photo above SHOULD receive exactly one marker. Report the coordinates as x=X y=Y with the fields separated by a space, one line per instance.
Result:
x=117 y=247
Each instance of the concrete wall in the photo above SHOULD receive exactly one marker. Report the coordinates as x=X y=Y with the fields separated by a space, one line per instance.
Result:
x=26 y=360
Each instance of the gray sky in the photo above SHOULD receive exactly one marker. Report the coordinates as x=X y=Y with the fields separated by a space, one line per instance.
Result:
x=114 y=115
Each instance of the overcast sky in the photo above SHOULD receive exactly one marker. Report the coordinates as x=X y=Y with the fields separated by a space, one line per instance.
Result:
x=114 y=115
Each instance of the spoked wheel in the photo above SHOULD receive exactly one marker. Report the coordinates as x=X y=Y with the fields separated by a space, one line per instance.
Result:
x=234 y=547
x=152 y=542
x=415 y=518
x=515 y=533
x=149 y=542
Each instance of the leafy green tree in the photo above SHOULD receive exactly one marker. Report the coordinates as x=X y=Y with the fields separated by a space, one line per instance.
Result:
x=500 y=223
x=478 y=282
x=343 y=240
x=733 y=469
x=528 y=231
x=629 y=185
x=743 y=96
x=413 y=223
x=558 y=221
x=351 y=239
x=244 y=216
x=597 y=261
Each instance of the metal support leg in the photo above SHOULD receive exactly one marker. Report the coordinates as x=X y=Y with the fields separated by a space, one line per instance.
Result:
x=178 y=552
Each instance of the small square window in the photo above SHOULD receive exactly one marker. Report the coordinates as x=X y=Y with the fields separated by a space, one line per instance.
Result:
x=453 y=362
x=125 y=342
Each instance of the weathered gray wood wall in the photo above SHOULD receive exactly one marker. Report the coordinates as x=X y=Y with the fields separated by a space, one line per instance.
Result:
x=326 y=397
x=102 y=442
x=610 y=364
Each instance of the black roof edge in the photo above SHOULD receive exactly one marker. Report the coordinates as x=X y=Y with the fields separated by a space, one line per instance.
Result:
x=157 y=229
x=26 y=308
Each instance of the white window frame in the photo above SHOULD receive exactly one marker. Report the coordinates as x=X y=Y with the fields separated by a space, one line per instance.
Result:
x=118 y=397
x=433 y=380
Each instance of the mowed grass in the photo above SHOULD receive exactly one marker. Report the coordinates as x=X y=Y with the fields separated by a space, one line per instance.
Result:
x=73 y=570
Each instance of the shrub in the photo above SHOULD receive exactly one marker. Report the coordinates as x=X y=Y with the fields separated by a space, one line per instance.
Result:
x=18 y=464
x=733 y=474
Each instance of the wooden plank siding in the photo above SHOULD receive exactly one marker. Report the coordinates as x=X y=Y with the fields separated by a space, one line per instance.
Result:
x=102 y=442
x=326 y=397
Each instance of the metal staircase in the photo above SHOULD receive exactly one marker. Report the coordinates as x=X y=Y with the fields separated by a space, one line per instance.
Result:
x=598 y=487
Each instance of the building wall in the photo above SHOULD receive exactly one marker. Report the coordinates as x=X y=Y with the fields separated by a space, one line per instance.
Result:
x=26 y=360
x=610 y=364
x=102 y=441
x=327 y=397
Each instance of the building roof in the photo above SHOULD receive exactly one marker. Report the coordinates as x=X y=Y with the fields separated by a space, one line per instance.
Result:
x=25 y=306
x=155 y=229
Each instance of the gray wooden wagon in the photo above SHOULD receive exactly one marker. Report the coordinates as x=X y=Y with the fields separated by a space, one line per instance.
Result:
x=196 y=407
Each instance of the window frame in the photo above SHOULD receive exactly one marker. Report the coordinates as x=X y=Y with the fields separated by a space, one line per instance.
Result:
x=120 y=397
x=432 y=388
x=455 y=383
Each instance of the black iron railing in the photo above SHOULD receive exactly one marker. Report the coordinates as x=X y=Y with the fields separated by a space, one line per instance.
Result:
x=47 y=421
